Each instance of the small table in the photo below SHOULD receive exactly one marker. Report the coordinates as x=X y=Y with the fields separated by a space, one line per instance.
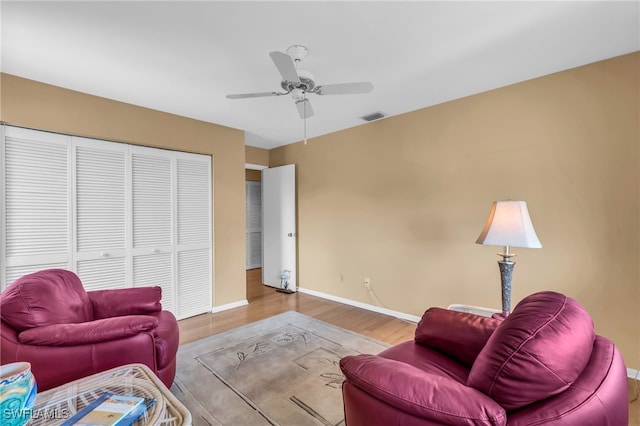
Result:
x=56 y=405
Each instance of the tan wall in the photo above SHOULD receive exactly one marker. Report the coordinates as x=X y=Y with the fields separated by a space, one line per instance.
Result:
x=254 y=175
x=31 y=104
x=255 y=155
x=402 y=200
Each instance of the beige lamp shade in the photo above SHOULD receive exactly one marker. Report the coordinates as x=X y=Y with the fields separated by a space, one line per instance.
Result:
x=509 y=225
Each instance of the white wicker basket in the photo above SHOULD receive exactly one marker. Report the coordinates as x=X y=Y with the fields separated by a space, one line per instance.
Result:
x=55 y=406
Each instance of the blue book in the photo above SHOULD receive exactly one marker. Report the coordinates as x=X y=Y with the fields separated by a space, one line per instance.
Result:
x=111 y=410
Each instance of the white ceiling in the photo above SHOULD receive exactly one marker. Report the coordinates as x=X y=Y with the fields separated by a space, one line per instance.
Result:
x=184 y=57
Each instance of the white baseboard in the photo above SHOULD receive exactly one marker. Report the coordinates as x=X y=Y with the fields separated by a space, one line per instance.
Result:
x=631 y=373
x=228 y=306
x=366 y=306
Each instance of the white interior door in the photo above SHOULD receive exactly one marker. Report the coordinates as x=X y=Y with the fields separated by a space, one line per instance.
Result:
x=279 y=226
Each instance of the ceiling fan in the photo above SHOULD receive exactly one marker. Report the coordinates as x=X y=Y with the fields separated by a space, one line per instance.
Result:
x=298 y=82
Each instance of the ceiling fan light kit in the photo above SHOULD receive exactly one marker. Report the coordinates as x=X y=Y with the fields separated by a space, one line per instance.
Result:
x=298 y=83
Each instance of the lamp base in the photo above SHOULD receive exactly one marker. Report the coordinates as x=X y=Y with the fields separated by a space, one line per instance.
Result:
x=506 y=269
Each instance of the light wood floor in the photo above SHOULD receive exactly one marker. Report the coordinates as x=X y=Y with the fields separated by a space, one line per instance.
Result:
x=265 y=302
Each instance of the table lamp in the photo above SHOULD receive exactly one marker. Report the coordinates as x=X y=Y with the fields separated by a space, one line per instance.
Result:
x=508 y=225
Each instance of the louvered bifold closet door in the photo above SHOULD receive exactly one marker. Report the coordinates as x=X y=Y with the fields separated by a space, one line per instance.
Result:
x=35 y=201
x=101 y=213
x=118 y=215
x=152 y=224
x=194 y=235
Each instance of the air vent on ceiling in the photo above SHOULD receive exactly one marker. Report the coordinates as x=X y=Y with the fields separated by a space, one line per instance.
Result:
x=372 y=117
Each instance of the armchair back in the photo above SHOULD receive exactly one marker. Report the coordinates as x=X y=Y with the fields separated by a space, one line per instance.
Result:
x=545 y=343
x=52 y=296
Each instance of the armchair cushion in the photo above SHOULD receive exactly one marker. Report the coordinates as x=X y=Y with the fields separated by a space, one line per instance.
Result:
x=540 y=350
x=460 y=335
x=88 y=332
x=54 y=296
x=125 y=301
x=438 y=399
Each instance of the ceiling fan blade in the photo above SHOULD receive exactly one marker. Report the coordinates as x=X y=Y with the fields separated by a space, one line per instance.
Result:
x=285 y=65
x=304 y=108
x=253 y=95
x=344 y=88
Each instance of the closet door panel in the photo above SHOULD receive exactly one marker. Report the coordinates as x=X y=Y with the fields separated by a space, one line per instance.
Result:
x=152 y=204
x=194 y=282
x=100 y=213
x=194 y=248
x=194 y=201
x=152 y=221
x=36 y=219
x=100 y=199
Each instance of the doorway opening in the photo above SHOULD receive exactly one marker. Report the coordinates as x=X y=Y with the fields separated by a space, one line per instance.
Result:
x=253 y=206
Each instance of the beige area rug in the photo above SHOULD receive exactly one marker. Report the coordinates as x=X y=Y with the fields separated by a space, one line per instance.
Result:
x=279 y=371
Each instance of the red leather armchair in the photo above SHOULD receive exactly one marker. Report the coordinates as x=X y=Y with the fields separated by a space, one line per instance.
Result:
x=542 y=365
x=65 y=332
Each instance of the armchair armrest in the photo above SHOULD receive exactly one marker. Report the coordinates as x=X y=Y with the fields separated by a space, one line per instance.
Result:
x=438 y=399
x=125 y=301
x=460 y=335
x=88 y=332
